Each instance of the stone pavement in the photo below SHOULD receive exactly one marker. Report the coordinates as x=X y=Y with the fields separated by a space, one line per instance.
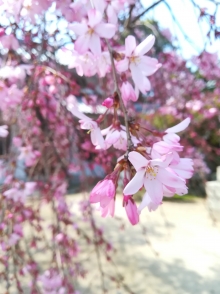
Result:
x=181 y=255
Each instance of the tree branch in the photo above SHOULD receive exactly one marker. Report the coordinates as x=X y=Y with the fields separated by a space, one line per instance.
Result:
x=146 y=10
x=124 y=110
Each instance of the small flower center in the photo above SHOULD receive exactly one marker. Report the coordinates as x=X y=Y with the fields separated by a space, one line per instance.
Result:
x=151 y=172
x=90 y=31
x=134 y=59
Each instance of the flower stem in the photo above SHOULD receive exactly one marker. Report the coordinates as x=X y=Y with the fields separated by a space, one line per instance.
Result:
x=130 y=144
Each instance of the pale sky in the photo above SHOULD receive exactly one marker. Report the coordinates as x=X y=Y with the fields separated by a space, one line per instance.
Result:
x=185 y=14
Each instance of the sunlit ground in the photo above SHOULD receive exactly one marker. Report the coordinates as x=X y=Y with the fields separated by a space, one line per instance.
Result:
x=179 y=252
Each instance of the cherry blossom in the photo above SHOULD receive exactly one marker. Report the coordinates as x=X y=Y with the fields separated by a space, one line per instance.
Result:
x=86 y=123
x=103 y=192
x=140 y=65
x=91 y=32
x=170 y=139
x=83 y=63
x=153 y=175
x=115 y=136
x=20 y=192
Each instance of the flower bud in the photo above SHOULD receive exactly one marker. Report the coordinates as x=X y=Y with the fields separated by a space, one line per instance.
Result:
x=108 y=102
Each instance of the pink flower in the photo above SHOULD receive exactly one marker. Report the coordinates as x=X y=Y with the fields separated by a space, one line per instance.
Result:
x=19 y=192
x=116 y=137
x=153 y=175
x=140 y=66
x=84 y=64
x=91 y=33
x=9 y=42
x=108 y=102
x=29 y=155
x=86 y=123
x=128 y=93
x=3 y=131
x=131 y=209
x=52 y=282
x=171 y=140
x=112 y=8
x=103 y=192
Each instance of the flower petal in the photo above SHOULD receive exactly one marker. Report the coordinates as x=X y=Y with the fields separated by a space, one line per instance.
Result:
x=137 y=160
x=169 y=179
x=94 y=17
x=122 y=65
x=180 y=127
x=142 y=83
x=95 y=44
x=79 y=28
x=145 y=46
x=171 y=138
x=100 y=5
x=112 y=16
x=130 y=45
x=184 y=168
x=82 y=43
x=112 y=137
x=146 y=201
x=148 y=65
x=105 y=131
x=135 y=184
x=154 y=189
x=75 y=111
x=97 y=139
x=105 y=30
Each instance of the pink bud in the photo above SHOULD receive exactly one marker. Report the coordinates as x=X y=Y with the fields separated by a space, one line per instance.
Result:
x=128 y=92
x=131 y=210
x=108 y=102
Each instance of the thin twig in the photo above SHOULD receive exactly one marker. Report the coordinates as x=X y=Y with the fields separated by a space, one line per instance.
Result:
x=146 y=10
x=124 y=110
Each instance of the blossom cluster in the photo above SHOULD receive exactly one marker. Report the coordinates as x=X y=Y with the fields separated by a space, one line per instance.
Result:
x=159 y=169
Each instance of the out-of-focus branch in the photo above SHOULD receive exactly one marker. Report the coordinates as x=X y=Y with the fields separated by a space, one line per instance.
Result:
x=127 y=23
x=146 y=10
x=179 y=26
